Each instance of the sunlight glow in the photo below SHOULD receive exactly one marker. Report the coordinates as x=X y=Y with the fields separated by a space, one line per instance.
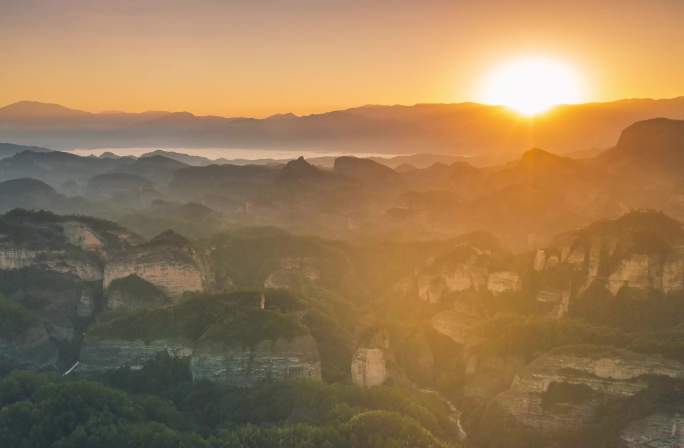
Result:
x=532 y=85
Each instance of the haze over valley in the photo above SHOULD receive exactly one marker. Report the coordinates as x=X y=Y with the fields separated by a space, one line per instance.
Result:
x=341 y=224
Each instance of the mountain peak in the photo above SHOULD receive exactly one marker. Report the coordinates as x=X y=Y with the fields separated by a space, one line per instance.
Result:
x=300 y=168
x=35 y=109
x=169 y=238
x=540 y=158
x=655 y=135
x=284 y=116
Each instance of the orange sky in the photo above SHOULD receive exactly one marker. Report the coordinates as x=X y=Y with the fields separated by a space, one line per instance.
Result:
x=259 y=57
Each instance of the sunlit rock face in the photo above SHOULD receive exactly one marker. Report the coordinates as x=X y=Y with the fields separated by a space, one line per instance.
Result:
x=558 y=300
x=467 y=268
x=635 y=271
x=70 y=245
x=82 y=236
x=454 y=323
x=561 y=390
x=230 y=363
x=641 y=251
x=168 y=262
x=503 y=281
x=368 y=367
x=658 y=430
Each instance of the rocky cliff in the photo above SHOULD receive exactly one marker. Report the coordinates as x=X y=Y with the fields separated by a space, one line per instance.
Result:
x=466 y=268
x=368 y=367
x=52 y=267
x=168 y=262
x=561 y=390
x=63 y=269
x=641 y=251
x=238 y=339
x=100 y=354
x=659 y=430
x=239 y=365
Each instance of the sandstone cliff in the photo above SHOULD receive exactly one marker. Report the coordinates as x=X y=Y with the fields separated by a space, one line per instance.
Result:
x=659 y=430
x=99 y=354
x=641 y=251
x=468 y=267
x=238 y=339
x=239 y=365
x=561 y=390
x=168 y=262
x=368 y=367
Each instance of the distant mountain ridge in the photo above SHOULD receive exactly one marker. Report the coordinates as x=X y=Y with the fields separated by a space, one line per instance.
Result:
x=522 y=201
x=456 y=129
x=9 y=149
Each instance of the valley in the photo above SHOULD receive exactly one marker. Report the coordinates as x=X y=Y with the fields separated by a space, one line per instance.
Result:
x=349 y=303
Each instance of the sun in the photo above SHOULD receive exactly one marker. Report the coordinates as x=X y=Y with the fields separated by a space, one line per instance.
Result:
x=532 y=85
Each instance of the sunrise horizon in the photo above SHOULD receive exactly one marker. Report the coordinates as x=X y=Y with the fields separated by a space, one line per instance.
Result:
x=341 y=224
x=512 y=110
x=260 y=59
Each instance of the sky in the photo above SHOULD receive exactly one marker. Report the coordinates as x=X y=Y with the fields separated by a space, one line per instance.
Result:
x=261 y=57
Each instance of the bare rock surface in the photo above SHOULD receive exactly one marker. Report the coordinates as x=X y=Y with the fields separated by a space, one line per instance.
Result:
x=560 y=391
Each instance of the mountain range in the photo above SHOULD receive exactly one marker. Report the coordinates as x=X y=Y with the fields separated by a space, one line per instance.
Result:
x=457 y=129
x=524 y=201
x=436 y=295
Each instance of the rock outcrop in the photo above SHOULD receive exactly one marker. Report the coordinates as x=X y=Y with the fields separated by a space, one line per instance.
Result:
x=641 y=251
x=54 y=267
x=368 y=367
x=102 y=354
x=230 y=363
x=561 y=390
x=168 y=262
x=467 y=268
x=239 y=338
x=132 y=293
x=658 y=430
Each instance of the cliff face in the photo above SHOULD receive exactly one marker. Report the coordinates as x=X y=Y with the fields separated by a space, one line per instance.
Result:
x=84 y=267
x=173 y=277
x=272 y=360
x=168 y=262
x=368 y=367
x=227 y=361
x=561 y=390
x=659 y=430
x=68 y=244
x=57 y=266
x=101 y=354
x=642 y=251
x=467 y=268
x=132 y=292
x=239 y=338
x=52 y=267
x=64 y=270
